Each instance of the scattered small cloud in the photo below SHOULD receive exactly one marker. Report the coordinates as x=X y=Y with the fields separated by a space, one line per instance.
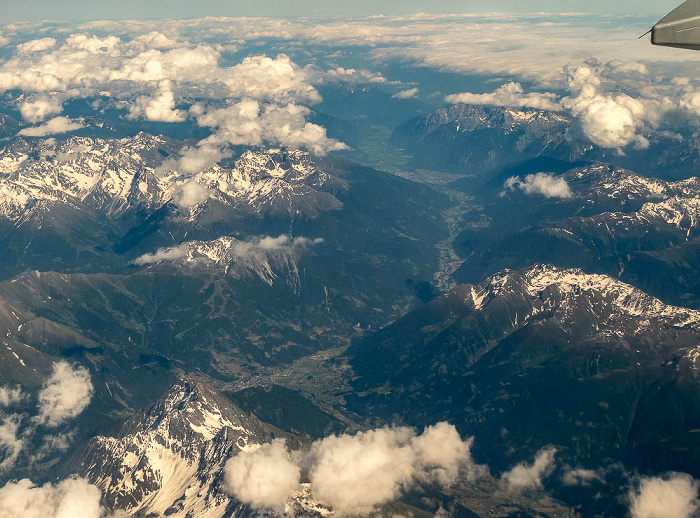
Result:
x=581 y=476
x=262 y=478
x=10 y=395
x=406 y=94
x=162 y=254
x=190 y=195
x=674 y=495
x=352 y=75
x=65 y=394
x=510 y=95
x=11 y=444
x=55 y=126
x=529 y=476
x=546 y=184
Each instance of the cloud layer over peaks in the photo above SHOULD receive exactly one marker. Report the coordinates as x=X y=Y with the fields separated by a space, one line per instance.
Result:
x=607 y=118
x=260 y=100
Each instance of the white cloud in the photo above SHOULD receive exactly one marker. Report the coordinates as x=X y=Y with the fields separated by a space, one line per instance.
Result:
x=162 y=254
x=510 y=95
x=39 y=108
x=68 y=499
x=441 y=455
x=529 y=476
x=55 y=126
x=263 y=478
x=10 y=395
x=65 y=394
x=10 y=443
x=36 y=45
x=546 y=184
x=406 y=94
x=156 y=40
x=672 y=496
x=278 y=80
x=160 y=107
x=190 y=194
x=251 y=123
x=249 y=254
x=610 y=121
x=355 y=474
x=581 y=476
x=194 y=159
x=353 y=75
x=352 y=473
x=3 y=41
x=151 y=74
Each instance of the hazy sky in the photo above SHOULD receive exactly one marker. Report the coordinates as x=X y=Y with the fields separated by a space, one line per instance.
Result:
x=69 y=10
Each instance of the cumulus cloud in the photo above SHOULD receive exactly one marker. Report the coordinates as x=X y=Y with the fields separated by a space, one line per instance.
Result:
x=406 y=94
x=353 y=473
x=672 y=496
x=156 y=40
x=160 y=107
x=36 y=45
x=39 y=108
x=546 y=184
x=278 y=79
x=511 y=95
x=10 y=395
x=609 y=120
x=55 y=126
x=69 y=498
x=151 y=74
x=357 y=473
x=263 y=478
x=190 y=194
x=251 y=123
x=529 y=476
x=64 y=395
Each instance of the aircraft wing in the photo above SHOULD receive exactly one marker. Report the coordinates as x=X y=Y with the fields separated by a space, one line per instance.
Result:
x=680 y=28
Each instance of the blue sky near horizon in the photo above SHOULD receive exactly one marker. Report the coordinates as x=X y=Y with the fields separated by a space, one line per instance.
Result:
x=82 y=10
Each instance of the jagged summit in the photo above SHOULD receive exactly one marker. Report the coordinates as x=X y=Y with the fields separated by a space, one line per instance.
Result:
x=468 y=117
x=167 y=460
x=540 y=283
x=115 y=176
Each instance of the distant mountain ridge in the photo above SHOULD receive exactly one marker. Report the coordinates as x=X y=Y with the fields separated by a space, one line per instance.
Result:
x=535 y=354
x=475 y=139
